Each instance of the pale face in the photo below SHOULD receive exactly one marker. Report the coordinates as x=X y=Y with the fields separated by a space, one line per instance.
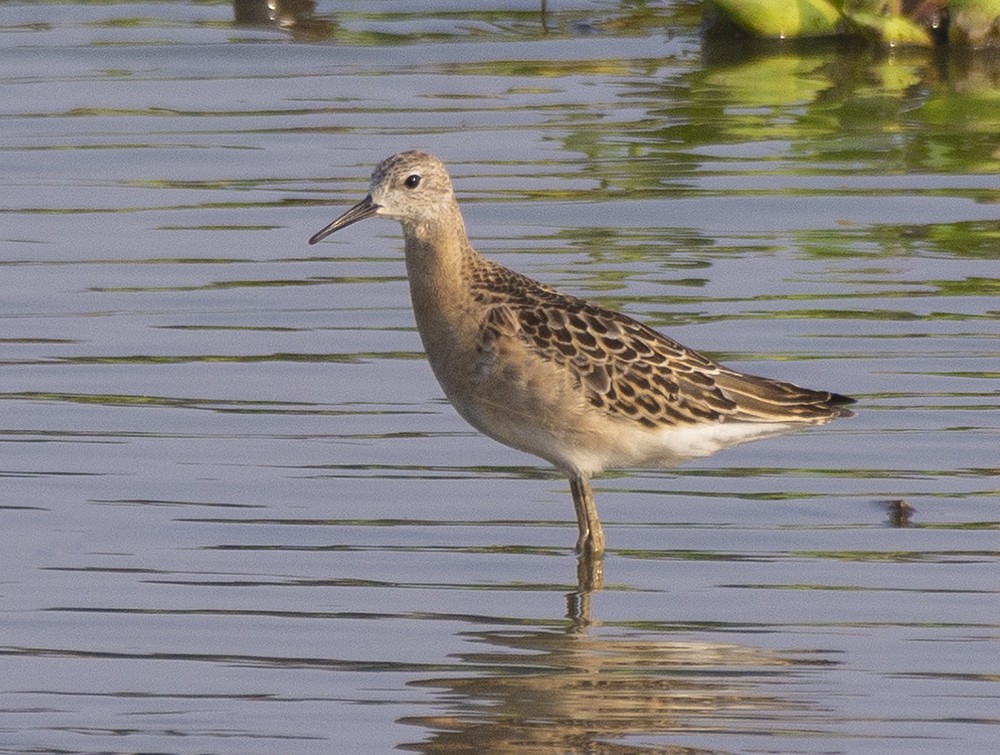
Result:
x=410 y=187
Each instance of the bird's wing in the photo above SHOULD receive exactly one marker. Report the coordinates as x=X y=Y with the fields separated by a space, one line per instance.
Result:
x=632 y=371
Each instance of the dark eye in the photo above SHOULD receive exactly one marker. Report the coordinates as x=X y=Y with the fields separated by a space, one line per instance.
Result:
x=412 y=181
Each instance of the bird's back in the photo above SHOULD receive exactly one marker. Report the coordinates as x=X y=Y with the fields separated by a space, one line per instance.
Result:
x=631 y=371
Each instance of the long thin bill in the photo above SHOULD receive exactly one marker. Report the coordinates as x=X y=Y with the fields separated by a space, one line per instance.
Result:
x=366 y=208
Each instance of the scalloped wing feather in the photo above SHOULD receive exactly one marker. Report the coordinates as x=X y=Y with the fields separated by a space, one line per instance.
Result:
x=631 y=371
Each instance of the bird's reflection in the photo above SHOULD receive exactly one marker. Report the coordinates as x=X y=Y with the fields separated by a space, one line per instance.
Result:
x=555 y=691
x=589 y=579
x=574 y=688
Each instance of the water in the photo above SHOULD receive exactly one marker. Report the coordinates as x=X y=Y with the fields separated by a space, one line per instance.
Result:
x=237 y=514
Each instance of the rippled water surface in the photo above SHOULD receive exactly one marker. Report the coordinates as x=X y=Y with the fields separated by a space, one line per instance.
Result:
x=238 y=516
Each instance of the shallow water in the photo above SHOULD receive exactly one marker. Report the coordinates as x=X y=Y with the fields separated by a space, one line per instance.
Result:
x=238 y=515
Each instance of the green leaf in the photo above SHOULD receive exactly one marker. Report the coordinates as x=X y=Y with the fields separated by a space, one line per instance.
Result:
x=783 y=19
x=896 y=31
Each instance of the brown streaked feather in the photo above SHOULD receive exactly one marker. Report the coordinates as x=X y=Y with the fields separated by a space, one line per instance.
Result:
x=631 y=370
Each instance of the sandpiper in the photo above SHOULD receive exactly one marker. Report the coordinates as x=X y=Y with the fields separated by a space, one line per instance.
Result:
x=584 y=387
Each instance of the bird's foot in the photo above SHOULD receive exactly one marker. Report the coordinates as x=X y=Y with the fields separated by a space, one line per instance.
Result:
x=591 y=542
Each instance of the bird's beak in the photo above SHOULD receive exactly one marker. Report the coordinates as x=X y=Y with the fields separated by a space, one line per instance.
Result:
x=366 y=208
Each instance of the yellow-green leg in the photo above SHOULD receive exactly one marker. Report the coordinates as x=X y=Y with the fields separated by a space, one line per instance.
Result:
x=591 y=540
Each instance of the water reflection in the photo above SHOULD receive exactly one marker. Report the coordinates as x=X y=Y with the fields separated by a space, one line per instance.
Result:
x=300 y=19
x=558 y=691
x=589 y=579
x=296 y=16
x=801 y=111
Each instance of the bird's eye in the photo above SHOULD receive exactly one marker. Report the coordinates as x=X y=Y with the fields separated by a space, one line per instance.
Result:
x=412 y=181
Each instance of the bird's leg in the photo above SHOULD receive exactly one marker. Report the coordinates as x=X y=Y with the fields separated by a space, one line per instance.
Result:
x=589 y=575
x=591 y=540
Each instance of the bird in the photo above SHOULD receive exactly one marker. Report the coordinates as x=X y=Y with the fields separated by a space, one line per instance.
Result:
x=579 y=385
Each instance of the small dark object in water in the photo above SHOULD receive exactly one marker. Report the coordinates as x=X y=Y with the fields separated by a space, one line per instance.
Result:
x=899 y=513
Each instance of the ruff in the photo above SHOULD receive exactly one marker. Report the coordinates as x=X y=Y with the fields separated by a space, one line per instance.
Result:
x=583 y=387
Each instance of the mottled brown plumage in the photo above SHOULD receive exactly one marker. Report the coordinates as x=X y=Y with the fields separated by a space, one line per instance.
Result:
x=629 y=370
x=585 y=387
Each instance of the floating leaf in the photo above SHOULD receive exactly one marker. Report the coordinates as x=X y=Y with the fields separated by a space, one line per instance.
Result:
x=896 y=31
x=783 y=19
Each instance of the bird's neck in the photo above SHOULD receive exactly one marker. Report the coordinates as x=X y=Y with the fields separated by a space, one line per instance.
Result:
x=439 y=265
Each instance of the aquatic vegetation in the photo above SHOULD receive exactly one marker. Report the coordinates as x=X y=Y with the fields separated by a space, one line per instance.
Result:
x=923 y=23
